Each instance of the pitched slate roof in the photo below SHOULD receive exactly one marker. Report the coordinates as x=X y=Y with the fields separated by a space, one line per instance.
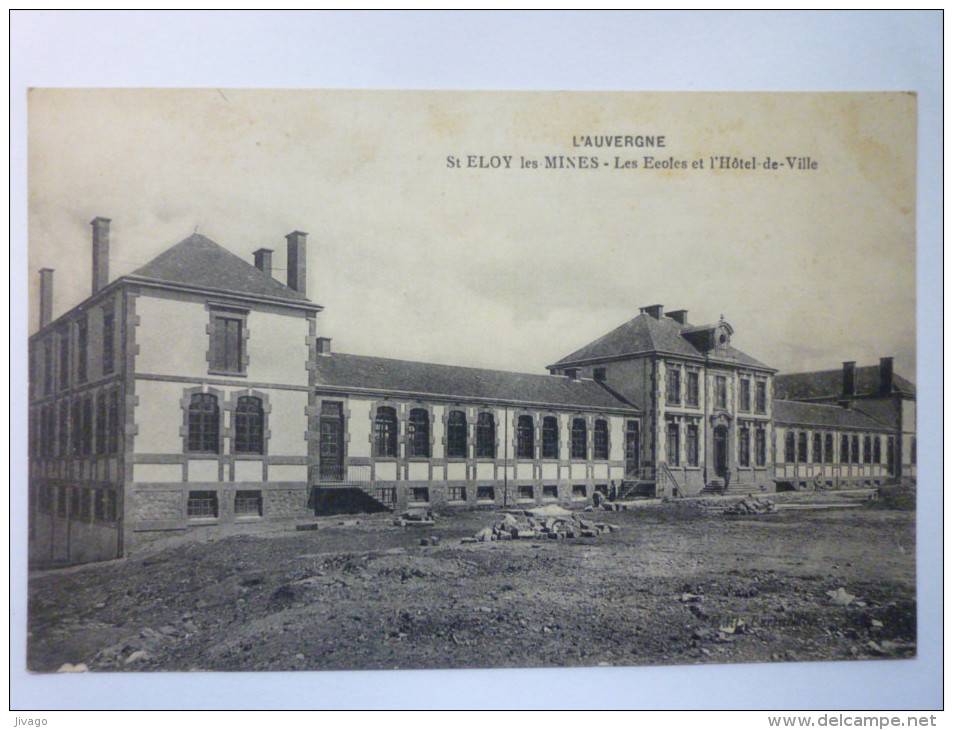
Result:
x=645 y=334
x=829 y=383
x=200 y=262
x=360 y=372
x=789 y=412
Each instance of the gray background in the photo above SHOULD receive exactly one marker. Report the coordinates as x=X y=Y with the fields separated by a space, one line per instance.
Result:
x=631 y=51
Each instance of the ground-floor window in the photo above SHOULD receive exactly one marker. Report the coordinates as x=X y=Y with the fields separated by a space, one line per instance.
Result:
x=760 y=452
x=526 y=491
x=386 y=495
x=550 y=491
x=579 y=491
x=420 y=494
x=458 y=494
x=248 y=503
x=485 y=494
x=202 y=504
x=744 y=447
x=691 y=444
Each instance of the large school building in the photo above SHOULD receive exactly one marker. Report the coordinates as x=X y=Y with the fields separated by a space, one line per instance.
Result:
x=197 y=391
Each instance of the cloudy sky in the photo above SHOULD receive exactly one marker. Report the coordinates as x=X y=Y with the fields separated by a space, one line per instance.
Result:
x=511 y=269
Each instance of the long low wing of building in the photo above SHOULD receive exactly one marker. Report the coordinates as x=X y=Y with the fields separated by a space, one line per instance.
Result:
x=414 y=433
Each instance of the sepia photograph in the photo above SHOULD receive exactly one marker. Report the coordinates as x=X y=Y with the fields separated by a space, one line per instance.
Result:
x=450 y=425
x=327 y=379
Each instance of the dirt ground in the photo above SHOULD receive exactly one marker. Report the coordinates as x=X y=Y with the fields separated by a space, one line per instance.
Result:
x=674 y=584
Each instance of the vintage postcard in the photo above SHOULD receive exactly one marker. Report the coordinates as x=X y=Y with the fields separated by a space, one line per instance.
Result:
x=386 y=379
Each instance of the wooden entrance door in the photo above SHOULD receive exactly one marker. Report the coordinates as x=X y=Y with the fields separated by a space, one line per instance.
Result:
x=721 y=451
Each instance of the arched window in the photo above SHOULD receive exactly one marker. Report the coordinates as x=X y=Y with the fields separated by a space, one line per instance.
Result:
x=486 y=436
x=600 y=441
x=789 y=447
x=802 y=447
x=457 y=435
x=855 y=449
x=418 y=432
x=868 y=455
x=877 y=455
x=845 y=449
x=578 y=438
x=817 y=456
x=525 y=438
x=550 y=438
x=385 y=432
x=203 y=423
x=249 y=426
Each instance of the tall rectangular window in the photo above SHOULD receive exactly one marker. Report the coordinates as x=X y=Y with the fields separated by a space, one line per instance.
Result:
x=249 y=426
x=101 y=427
x=109 y=354
x=760 y=450
x=691 y=388
x=671 y=443
x=600 y=440
x=64 y=358
x=721 y=391
x=845 y=449
x=744 y=395
x=673 y=392
x=868 y=453
x=525 y=441
x=227 y=344
x=112 y=428
x=579 y=436
x=789 y=455
x=203 y=420
x=486 y=436
x=817 y=455
x=691 y=444
x=82 y=349
x=550 y=437
x=744 y=446
x=802 y=447
x=418 y=432
x=828 y=449
x=48 y=366
x=64 y=429
x=760 y=396
x=457 y=435
x=855 y=449
x=877 y=455
x=385 y=431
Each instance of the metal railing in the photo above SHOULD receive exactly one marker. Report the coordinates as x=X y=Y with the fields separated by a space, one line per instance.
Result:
x=343 y=474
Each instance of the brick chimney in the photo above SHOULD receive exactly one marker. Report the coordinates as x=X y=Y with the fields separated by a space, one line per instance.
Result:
x=323 y=345
x=886 y=375
x=679 y=315
x=263 y=260
x=297 y=265
x=100 y=252
x=848 y=378
x=653 y=310
x=46 y=297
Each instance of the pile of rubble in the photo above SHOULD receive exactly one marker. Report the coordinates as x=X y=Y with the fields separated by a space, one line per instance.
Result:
x=525 y=525
x=752 y=506
x=415 y=519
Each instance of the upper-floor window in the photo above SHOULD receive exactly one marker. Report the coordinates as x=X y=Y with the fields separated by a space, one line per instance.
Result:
x=868 y=450
x=109 y=354
x=385 y=431
x=845 y=449
x=817 y=455
x=828 y=448
x=691 y=388
x=486 y=436
x=579 y=435
x=48 y=366
x=744 y=395
x=600 y=440
x=802 y=447
x=418 y=432
x=721 y=391
x=913 y=450
x=227 y=352
x=855 y=449
x=673 y=392
x=457 y=435
x=525 y=441
x=249 y=426
x=890 y=454
x=101 y=426
x=64 y=358
x=877 y=455
x=82 y=349
x=112 y=440
x=64 y=429
x=203 y=424
x=760 y=396
x=550 y=437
